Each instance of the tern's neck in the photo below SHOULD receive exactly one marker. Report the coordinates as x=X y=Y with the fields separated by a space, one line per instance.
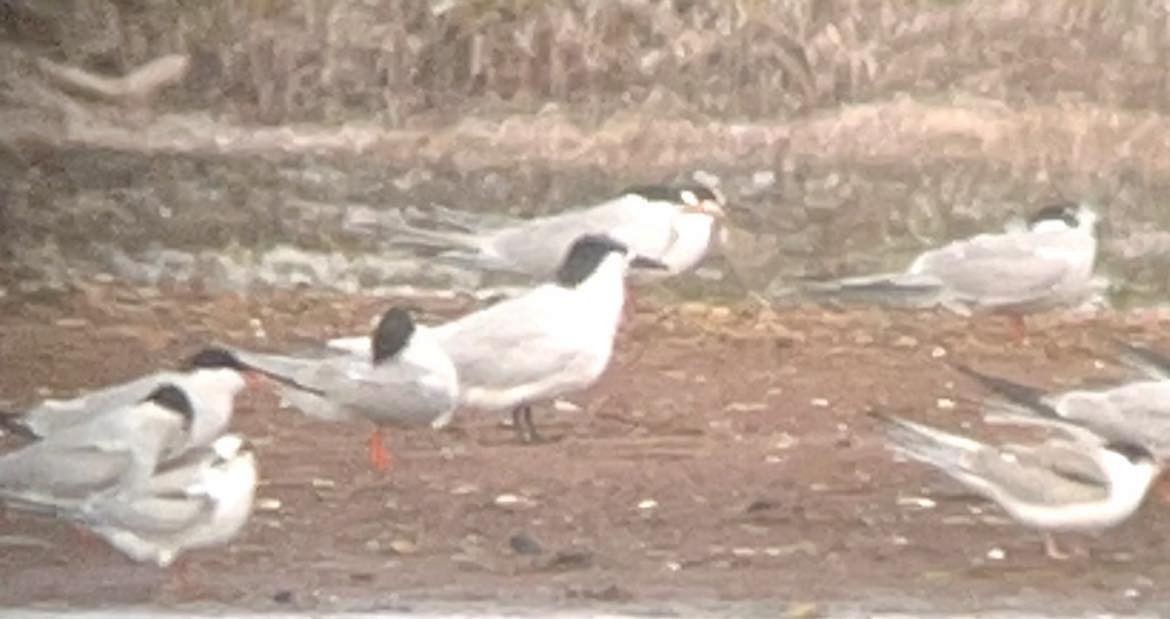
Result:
x=602 y=294
x=1129 y=483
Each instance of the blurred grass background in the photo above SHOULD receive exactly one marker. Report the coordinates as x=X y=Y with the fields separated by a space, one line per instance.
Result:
x=327 y=61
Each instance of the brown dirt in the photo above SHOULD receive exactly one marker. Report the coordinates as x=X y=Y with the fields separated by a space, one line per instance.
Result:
x=761 y=491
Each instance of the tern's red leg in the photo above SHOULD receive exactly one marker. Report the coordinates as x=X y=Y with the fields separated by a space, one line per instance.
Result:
x=379 y=457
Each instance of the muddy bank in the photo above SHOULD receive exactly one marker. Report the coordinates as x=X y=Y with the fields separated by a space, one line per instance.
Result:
x=715 y=463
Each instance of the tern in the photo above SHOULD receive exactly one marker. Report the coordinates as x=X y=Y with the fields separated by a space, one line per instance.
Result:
x=671 y=224
x=1046 y=264
x=552 y=340
x=1053 y=487
x=404 y=378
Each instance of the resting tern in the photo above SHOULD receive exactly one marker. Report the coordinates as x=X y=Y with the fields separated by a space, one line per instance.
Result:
x=111 y=453
x=1049 y=263
x=554 y=339
x=403 y=378
x=210 y=378
x=672 y=224
x=202 y=501
x=1053 y=487
x=1137 y=412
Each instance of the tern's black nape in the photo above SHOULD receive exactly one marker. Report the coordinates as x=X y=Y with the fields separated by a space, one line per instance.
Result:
x=671 y=193
x=1133 y=452
x=392 y=334
x=174 y=399
x=214 y=357
x=1061 y=211
x=584 y=256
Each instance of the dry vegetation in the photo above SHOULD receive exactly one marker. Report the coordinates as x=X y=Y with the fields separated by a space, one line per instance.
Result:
x=278 y=61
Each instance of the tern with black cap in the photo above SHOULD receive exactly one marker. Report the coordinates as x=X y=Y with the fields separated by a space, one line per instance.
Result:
x=403 y=378
x=211 y=379
x=673 y=224
x=554 y=339
x=1055 y=486
x=110 y=453
x=1046 y=264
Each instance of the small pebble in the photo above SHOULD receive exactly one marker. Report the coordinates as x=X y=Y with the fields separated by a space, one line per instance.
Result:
x=819 y=402
x=565 y=406
x=524 y=544
x=938 y=352
x=319 y=482
x=996 y=554
x=268 y=504
x=403 y=546
x=647 y=504
x=464 y=488
x=945 y=404
x=905 y=341
x=916 y=501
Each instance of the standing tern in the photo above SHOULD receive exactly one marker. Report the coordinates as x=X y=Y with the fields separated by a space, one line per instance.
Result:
x=671 y=224
x=403 y=377
x=1053 y=487
x=554 y=339
x=211 y=379
x=202 y=501
x=112 y=453
x=1046 y=264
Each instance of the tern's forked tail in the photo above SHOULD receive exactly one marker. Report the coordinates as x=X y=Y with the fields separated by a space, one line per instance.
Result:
x=1154 y=364
x=888 y=288
x=925 y=444
x=1027 y=399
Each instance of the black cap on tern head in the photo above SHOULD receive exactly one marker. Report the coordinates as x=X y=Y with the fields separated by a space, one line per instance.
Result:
x=584 y=256
x=1132 y=451
x=214 y=357
x=1061 y=211
x=174 y=399
x=671 y=193
x=392 y=333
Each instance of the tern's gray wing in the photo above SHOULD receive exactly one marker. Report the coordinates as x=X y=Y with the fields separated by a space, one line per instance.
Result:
x=113 y=452
x=993 y=270
x=150 y=515
x=538 y=246
x=1137 y=413
x=1040 y=475
x=507 y=344
x=51 y=416
x=341 y=386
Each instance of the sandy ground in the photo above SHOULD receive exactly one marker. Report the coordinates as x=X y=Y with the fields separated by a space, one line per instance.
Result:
x=724 y=458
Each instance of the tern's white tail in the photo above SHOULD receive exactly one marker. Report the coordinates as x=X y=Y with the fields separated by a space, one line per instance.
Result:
x=925 y=444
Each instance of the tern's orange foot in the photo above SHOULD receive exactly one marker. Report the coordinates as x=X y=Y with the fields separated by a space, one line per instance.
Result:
x=379 y=457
